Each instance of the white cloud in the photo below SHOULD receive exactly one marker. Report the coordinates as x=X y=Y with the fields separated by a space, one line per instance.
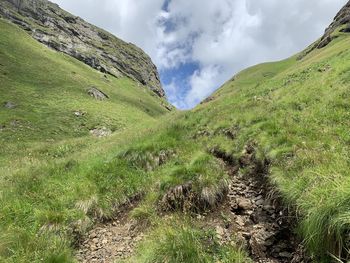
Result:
x=221 y=36
x=203 y=83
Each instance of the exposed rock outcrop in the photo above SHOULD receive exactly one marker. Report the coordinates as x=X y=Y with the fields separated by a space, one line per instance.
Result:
x=97 y=94
x=342 y=18
x=62 y=31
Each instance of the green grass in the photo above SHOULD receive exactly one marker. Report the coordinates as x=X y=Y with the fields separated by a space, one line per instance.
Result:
x=45 y=83
x=179 y=241
x=298 y=113
x=54 y=177
x=57 y=181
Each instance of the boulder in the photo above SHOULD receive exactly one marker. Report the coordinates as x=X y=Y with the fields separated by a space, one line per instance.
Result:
x=9 y=105
x=97 y=94
x=79 y=113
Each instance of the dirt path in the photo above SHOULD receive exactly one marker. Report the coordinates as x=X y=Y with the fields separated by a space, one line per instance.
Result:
x=258 y=222
x=112 y=241
x=250 y=217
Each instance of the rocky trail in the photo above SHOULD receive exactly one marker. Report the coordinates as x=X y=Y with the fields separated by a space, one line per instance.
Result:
x=251 y=217
x=111 y=241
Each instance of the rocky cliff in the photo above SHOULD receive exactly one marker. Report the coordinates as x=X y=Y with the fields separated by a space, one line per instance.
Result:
x=341 y=19
x=69 y=34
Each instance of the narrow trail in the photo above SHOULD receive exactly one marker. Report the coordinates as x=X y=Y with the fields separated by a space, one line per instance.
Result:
x=111 y=241
x=254 y=219
x=250 y=217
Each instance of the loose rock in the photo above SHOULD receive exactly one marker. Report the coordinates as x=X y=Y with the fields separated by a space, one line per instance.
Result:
x=258 y=224
x=79 y=113
x=101 y=132
x=244 y=204
x=9 y=105
x=111 y=241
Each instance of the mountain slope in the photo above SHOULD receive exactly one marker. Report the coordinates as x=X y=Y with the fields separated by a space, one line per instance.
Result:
x=257 y=173
x=50 y=93
x=50 y=114
x=297 y=111
x=62 y=31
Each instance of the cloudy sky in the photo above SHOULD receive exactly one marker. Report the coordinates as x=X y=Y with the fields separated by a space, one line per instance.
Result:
x=198 y=44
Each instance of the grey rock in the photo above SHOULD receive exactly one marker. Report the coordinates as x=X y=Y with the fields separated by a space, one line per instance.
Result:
x=285 y=255
x=220 y=231
x=64 y=32
x=79 y=113
x=240 y=221
x=97 y=94
x=9 y=105
x=259 y=202
x=342 y=18
x=15 y=123
x=101 y=132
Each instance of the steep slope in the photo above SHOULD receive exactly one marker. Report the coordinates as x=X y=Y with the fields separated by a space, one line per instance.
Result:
x=257 y=173
x=62 y=31
x=52 y=95
x=341 y=22
x=297 y=112
x=54 y=109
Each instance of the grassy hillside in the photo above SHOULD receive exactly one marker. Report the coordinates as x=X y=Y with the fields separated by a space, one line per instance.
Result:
x=47 y=83
x=42 y=139
x=48 y=87
x=295 y=112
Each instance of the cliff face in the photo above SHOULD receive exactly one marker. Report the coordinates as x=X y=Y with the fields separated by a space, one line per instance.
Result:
x=341 y=19
x=62 y=31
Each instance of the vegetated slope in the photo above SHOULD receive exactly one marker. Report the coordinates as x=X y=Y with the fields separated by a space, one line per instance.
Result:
x=292 y=116
x=46 y=95
x=60 y=30
x=297 y=111
x=47 y=112
x=283 y=123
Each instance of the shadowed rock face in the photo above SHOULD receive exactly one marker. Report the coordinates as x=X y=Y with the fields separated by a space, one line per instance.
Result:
x=342 y=18
x=62 y=31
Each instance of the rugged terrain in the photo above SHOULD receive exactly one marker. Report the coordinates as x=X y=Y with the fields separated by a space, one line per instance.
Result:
x=94 y=168
x=62 y=31
x=342 y=19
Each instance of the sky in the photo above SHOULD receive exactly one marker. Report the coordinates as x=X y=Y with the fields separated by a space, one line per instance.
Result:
x=199 y=44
